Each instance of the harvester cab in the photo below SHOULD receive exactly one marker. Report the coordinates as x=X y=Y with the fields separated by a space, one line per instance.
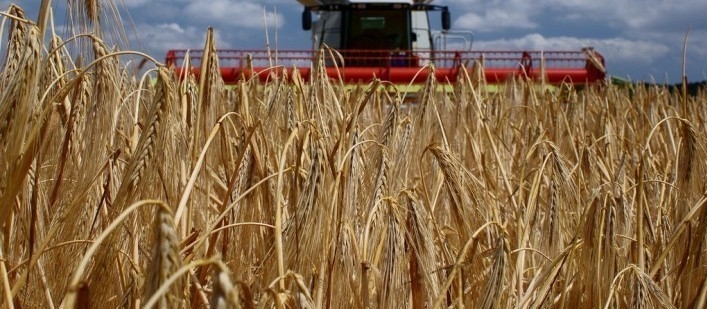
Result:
x=398 y=28
x=392 y=40
x=390 y=25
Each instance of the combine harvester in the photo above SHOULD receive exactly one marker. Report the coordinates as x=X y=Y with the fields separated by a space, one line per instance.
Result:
x=392 y=40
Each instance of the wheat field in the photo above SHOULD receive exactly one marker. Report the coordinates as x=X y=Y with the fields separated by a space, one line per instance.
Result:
x=131 y=191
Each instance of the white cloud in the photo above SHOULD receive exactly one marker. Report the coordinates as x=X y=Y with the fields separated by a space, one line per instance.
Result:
x=161 y=37
x=136 y=3
x=233 y=13
x=497 y=15
x=626 y=15
x=636 y=14
x=614 y=49
x=639 y=36
x=495 y=19
x=636 y=51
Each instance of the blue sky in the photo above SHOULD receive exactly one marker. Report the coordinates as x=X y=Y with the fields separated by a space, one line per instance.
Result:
x=639 y=39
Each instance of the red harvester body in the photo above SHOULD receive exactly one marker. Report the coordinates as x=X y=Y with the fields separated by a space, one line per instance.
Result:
x=575 y=67
x=392 y=40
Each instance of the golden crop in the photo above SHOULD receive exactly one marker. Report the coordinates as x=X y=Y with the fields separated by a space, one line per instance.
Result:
x=120 y=192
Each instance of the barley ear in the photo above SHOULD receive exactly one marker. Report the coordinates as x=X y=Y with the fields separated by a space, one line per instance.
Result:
x=493 y=292
x=145 y=150
x=691 y=168
x=92 y=10
x=165 y=260
x=226 y=295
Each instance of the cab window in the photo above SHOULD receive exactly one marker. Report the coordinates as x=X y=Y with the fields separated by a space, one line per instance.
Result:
x=379 y=29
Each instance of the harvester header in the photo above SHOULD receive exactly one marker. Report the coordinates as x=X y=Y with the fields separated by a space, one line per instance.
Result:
x=393 y=40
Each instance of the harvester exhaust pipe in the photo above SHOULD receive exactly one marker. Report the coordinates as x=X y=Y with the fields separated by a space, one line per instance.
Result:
x=446 y=19
x=307 y=19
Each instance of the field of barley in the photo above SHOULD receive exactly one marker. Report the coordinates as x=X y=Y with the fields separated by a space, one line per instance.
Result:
x=120 y=190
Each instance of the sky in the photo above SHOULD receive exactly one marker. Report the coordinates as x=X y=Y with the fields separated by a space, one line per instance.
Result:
x=640 y=39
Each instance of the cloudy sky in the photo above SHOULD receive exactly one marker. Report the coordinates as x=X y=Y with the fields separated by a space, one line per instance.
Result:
x=640 y=39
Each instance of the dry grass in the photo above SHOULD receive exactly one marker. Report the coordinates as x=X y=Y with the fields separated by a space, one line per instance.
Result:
x=119 y=192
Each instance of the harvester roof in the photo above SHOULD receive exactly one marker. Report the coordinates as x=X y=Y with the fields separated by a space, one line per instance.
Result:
x=381 y=1
x=326 y=2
